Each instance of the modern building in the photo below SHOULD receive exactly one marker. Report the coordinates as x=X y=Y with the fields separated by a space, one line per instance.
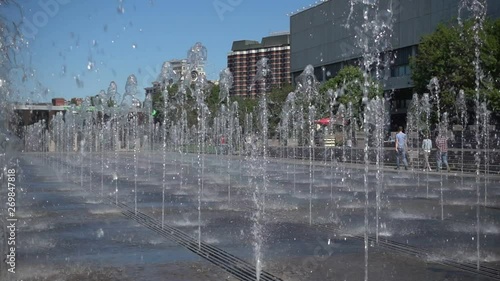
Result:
x=327 y=35
x=245 y=54
x=181 y=66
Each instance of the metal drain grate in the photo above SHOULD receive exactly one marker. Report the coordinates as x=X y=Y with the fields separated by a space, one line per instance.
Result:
x=237 y=267
x=485 y=271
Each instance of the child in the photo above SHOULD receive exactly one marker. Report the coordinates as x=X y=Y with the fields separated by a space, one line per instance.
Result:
x=427 y=146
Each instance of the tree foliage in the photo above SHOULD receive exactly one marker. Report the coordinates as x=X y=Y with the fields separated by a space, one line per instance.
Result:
x=350 y=82
x=276 y=99
x=213 y=101
x=449 y=55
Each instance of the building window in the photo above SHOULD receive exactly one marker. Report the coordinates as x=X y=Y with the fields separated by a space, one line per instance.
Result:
x=400 y=71
x=401 y=104
x=402 y=56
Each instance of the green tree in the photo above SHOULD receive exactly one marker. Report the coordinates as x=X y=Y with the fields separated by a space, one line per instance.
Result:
x=350 y=82
x=158 y=107
x=111 y=103
x=449 y=55
x=245 y=105
x=213 y=101
x=159 y=101
x=276 y=100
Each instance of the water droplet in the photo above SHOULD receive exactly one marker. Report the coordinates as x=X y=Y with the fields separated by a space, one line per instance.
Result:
x=79 y=83
x=120 y=9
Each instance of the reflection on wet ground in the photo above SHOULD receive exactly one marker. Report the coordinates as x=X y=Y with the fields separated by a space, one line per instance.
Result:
x=427 y=223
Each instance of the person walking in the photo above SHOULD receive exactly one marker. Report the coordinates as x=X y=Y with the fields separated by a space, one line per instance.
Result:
x=401 y=148
x=442 y=151
x=427 y=147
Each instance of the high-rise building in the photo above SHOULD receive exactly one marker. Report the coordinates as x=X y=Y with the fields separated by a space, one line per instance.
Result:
x=245 y=54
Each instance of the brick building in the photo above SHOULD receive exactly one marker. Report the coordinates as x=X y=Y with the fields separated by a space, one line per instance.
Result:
x=244 y=56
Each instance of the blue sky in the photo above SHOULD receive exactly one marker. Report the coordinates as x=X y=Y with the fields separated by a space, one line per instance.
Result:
x=73 y=33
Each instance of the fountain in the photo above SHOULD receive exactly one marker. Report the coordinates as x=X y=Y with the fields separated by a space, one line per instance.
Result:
x=307 y=89
x=112 y=97
x=478 y=9
x=165 y=76
x=226 y=82
x=426 y=109
x=197 y=84
x=131 y=105
x=214 y=185
x=462 y=112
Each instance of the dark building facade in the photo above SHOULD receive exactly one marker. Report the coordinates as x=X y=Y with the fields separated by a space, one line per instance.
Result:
x=244 y=56
x=326 y=36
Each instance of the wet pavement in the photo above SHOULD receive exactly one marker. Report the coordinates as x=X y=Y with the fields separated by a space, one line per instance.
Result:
x=316 y=219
